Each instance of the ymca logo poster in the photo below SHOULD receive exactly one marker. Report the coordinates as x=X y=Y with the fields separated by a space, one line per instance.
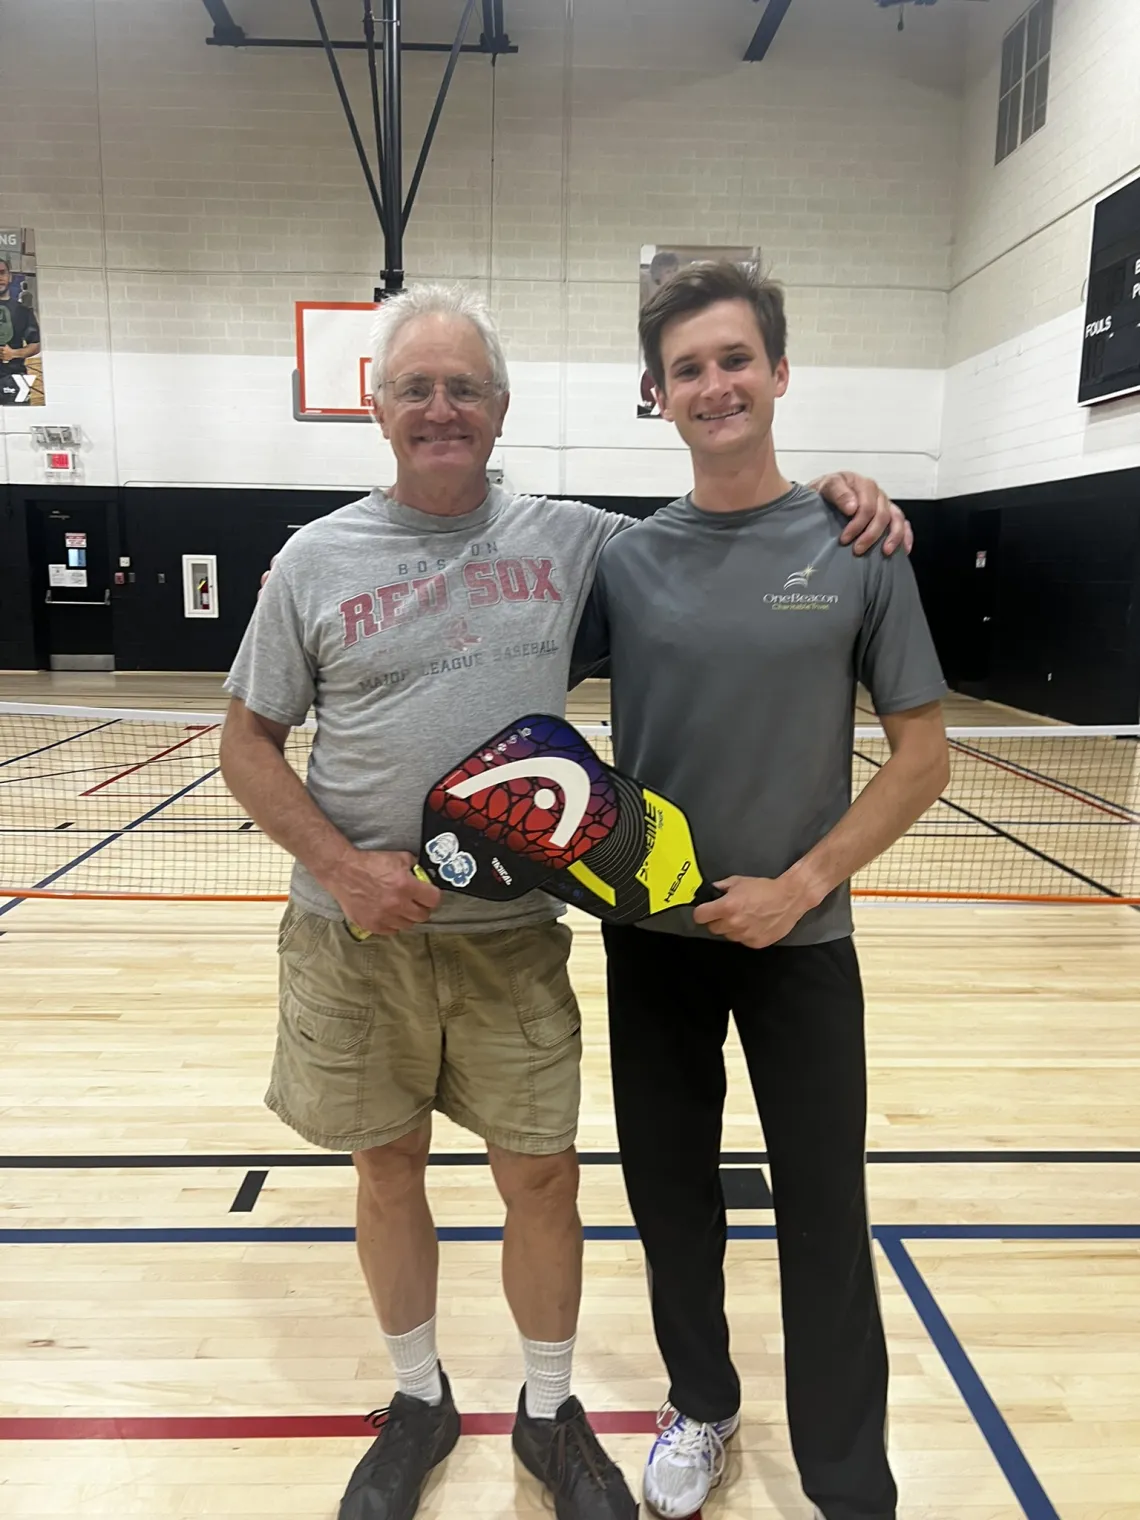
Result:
x=21 y=361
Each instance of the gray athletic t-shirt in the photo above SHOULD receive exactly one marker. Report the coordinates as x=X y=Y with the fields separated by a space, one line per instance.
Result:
x=736 y=641
x=415 y=638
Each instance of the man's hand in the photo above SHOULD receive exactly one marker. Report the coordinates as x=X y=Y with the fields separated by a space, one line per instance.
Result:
x=755 y=910
x=265 y=577
x=378 y=892
x=7 y=354
x=871 y=511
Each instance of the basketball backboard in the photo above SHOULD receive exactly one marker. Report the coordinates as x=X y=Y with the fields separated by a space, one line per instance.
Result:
x=334 y=342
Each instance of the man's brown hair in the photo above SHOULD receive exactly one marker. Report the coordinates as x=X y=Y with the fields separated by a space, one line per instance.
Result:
x=703 y=285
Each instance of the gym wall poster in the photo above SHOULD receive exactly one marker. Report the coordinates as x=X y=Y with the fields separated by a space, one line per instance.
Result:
x=21 y=360
x=659 y=263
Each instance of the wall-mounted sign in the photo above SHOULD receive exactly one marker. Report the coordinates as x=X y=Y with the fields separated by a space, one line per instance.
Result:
x=21 y=363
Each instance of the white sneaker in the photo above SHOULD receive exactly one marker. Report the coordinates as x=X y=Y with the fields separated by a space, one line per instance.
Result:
x=685 y=1464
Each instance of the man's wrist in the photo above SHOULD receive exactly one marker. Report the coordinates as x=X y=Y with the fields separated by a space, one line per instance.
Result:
x=806 y=884
x=333 y=859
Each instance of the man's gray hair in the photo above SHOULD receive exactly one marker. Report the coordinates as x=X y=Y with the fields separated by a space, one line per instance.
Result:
x=429 y=301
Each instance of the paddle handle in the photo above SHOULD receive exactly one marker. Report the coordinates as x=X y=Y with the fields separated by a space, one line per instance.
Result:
x=359 y=934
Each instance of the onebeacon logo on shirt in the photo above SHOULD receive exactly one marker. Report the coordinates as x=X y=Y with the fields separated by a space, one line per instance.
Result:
x=797 y=595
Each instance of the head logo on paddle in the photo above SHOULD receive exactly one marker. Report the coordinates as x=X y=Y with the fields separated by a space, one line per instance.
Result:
x=536 y=807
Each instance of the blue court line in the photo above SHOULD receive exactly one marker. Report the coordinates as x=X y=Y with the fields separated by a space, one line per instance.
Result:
x=1014 y=1231
x=110 y=839
x=1001 y=1440
x=317 y=1234
x=43 y=749
x=1026 y=1486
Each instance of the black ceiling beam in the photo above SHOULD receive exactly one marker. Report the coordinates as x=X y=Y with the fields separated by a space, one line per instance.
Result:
x=765 y=33
x=227 y=33
x=349 y=47
x=494 y=39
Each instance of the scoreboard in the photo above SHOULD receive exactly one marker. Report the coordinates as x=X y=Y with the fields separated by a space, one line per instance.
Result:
x=1110 y=359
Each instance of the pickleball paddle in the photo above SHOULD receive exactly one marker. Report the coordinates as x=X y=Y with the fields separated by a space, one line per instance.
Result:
x=537 y=807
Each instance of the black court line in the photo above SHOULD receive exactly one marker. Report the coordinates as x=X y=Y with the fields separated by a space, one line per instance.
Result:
x=248 y=1193
x=43 y=749
x=264 y=1161
x=79 y=770
x=110 y=839
x=745 y=1187
x=1001 y=833
x=89 y=833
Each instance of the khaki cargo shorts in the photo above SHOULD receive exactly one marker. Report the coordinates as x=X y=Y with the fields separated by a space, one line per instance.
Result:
x=372 y=1037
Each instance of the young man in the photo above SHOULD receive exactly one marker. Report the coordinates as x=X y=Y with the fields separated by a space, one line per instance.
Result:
x=418 y=621
x=737 y=631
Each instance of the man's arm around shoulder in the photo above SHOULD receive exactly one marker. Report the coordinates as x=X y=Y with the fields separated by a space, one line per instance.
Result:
x=375 y=888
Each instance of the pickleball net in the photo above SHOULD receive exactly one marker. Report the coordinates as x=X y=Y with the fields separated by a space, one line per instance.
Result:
x=123 y=803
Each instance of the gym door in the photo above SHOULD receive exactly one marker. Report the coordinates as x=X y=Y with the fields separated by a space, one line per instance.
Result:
x=70 y=554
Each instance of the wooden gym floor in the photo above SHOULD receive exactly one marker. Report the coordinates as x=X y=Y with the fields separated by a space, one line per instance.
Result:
x=185 y=1332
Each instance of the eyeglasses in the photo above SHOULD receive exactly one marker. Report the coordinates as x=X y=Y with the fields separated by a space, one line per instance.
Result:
x=462 y=390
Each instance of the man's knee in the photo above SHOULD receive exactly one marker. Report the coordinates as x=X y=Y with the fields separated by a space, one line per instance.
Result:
x=536 y=1184
x=392 y=1172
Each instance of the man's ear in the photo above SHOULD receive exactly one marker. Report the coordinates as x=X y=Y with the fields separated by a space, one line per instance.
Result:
x=662 y=401
x=506 y=406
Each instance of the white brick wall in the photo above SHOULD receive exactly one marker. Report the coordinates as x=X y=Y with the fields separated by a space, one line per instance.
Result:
x=1011 y=417
x=1021 y=255
x=183 y=197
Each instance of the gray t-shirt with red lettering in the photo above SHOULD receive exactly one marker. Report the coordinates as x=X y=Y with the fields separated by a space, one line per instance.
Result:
x=414 y=638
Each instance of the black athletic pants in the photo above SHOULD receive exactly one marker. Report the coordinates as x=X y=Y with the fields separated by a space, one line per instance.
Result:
x=799 y=1012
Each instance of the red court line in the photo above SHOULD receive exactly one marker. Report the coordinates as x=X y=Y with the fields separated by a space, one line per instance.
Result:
x=610 y=1422
x=110 y=781
x=1054 y=786
x=1024 y=774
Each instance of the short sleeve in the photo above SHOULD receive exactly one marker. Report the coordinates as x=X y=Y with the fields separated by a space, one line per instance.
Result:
x=31 y=328
x=895 y=658
x=591 y=652
x=274 y=673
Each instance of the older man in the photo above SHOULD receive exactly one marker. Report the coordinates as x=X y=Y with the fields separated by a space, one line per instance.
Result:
x=416 y=621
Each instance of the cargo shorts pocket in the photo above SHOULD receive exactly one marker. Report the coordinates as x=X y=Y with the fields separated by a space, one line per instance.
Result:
x=298 y=936
x=325 y=1019
x=335 y=1029
x=540 y=986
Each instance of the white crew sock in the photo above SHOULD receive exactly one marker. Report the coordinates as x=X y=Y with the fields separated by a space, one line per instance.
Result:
x=417 y=1363
x=549 y=1366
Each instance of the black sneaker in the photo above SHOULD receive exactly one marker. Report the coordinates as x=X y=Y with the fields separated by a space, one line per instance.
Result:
x=389 y=1478
x=565 y=1455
